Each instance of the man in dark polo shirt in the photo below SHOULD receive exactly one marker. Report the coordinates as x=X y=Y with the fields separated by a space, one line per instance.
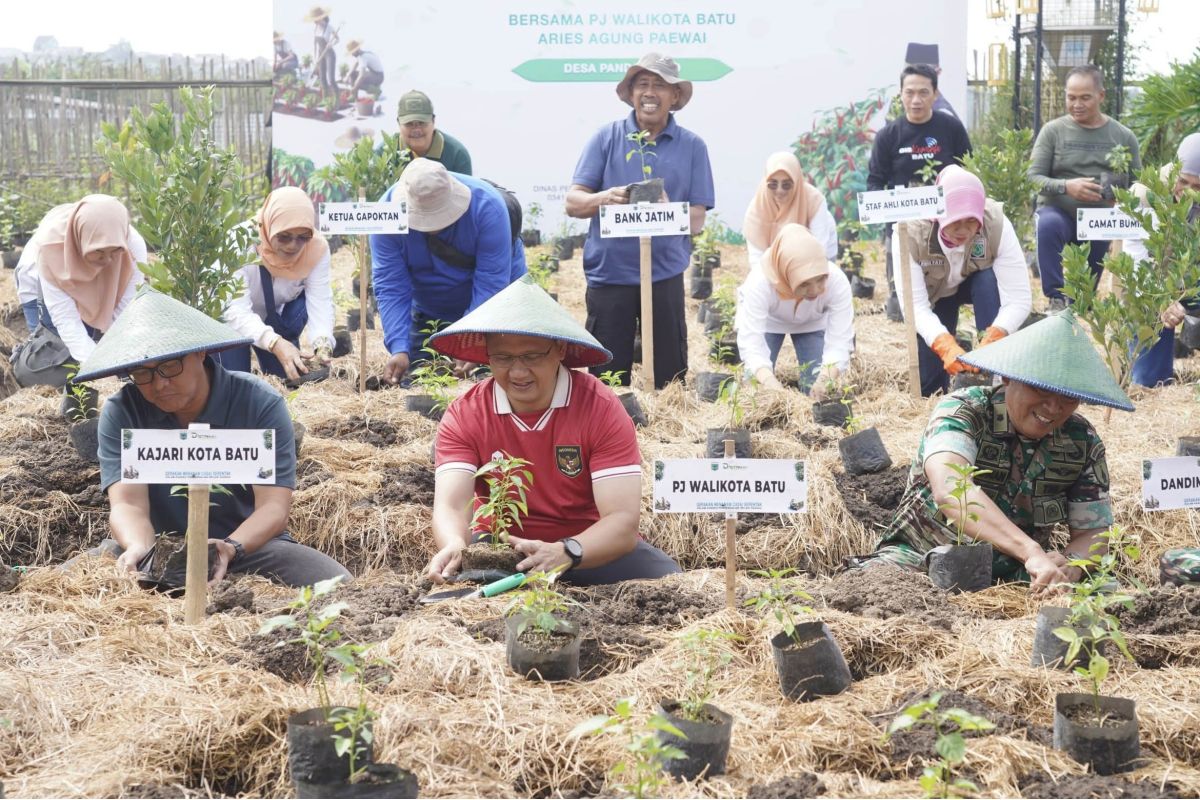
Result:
x=161 y=347
x=586 y=499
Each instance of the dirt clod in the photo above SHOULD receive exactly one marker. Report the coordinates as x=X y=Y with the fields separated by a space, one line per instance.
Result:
x=357 y=429
x=652 y=603
x=882 y=592
x=804 y=785
x=1092 y=786
x=411 y=483
x=873 y=499
x=1165 y=610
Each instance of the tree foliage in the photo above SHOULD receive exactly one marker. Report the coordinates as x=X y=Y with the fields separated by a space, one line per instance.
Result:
x=1003 y=168
x=191 y=196
x=1167 y=110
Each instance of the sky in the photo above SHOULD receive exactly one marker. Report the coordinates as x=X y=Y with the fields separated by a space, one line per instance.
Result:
x=241 y=28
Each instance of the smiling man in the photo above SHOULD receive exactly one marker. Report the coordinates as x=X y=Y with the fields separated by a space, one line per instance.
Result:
x=1045 y=465
x=419 y=133
x=162 y=347
x=586 y=499
x=602 y=177
x=1068 y=157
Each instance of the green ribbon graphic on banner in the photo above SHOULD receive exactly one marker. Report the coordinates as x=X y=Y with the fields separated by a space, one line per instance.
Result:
x=607 y=70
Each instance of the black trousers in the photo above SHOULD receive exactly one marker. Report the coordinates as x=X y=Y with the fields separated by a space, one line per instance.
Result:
x=613 y=313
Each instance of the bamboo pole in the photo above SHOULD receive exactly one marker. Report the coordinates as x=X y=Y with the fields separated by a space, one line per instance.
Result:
x=195 y=596
x=910 y=324
x=647 y=315
x=730 y=545
x=362 y=306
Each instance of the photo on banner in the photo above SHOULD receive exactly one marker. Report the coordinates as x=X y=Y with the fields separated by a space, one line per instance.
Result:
x=525 y=85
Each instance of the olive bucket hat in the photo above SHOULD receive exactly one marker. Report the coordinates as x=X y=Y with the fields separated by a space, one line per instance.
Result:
x=1056 y=355
x=520 y=309
x=155 y=327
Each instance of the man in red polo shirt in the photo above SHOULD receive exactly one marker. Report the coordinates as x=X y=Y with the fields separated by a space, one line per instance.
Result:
x=585 y=503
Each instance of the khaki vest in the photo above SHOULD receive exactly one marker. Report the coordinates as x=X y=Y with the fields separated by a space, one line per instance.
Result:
x=926 y=251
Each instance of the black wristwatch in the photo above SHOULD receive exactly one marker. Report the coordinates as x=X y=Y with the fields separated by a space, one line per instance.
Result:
x=574 y=551
x=238 y=550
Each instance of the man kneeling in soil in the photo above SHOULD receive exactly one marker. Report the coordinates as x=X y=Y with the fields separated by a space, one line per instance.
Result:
x=585 y=502
x=161 y=346
x=1045 y=464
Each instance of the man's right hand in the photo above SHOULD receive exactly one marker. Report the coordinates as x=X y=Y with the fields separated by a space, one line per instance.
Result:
x=395 y=368
x=1085 y=190
x=1045 y=576
x=614 y=196
x=129 y=560
x=445 y=563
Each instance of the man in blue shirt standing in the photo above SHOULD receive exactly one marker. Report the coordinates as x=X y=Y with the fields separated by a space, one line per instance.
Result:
x=459 y=251
x=602 y=177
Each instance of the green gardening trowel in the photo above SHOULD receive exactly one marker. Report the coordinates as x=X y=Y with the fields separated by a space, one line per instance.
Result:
x=490 y=590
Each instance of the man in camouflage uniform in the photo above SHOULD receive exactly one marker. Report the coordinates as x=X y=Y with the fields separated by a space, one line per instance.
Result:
x=1046 y=464
x=1180 y=565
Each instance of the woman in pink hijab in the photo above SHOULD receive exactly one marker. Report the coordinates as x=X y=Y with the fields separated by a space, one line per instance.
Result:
x=784 y=197
x=970 y=254
x=79 y=271
x=287 y=292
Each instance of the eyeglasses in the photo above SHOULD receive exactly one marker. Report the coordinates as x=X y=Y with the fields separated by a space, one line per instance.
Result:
x=528 y=360
x=286 y=239
x=144 y=375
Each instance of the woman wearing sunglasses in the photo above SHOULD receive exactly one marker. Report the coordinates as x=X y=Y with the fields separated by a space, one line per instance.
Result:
x=286 y=292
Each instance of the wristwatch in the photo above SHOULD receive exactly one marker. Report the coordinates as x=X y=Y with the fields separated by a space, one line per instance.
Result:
x=574 y=551
x=238 y=549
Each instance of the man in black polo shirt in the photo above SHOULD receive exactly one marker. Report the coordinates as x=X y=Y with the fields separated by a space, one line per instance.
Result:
x=906 y=144
x=161 y=347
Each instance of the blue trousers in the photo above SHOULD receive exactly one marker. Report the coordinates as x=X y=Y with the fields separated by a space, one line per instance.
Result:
x=1156 y=365
x=1056 y=230
x=809 y=348
x=35 y=312
x=980 y=290
x=289 y=324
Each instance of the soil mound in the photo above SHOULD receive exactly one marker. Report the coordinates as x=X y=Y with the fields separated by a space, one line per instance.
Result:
x=377 y=432
x=873 y=499
x=883 y=592
x=806 y=785
x=1092 y=786
x=1164 y=611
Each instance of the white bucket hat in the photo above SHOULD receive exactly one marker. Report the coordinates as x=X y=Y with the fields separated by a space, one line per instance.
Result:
x=436 y=199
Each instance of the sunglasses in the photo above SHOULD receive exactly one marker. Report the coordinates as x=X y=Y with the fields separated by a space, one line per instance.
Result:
x=286 y=239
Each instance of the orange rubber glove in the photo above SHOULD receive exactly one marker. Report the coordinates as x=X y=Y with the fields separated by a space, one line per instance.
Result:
x=992 y=334
x=949 y=351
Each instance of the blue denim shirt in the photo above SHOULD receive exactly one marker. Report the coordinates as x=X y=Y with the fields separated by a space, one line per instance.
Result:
x=407 y=277
x=680 y=159
x=235 y=400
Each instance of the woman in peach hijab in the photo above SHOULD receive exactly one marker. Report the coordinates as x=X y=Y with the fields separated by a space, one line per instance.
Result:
x=286 y=292
x=785 y=197
x=797 y=293
x=79 y=271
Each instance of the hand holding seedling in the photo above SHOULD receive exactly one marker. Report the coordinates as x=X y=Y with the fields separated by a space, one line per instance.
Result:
x=825 y=386
x=446 y=563
x=615 y=196
x=395 y=368
x=1086 y=190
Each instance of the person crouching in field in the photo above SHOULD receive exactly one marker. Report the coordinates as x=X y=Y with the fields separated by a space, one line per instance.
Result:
x=1044 y=464
x=797 y=292
x=586 y=498
x=163 y=348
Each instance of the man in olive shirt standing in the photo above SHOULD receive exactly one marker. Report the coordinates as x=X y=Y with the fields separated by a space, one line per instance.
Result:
x=1068 y=157
x=419 y=134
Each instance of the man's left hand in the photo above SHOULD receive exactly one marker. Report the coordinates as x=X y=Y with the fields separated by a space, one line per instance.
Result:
x=1173 y=315
x=225 y=555
x=540 y=556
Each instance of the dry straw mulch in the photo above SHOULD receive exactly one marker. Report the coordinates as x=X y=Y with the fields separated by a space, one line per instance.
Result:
x=108 y=694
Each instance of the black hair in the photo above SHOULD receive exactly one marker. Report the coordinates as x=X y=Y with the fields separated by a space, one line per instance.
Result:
x=1092 y=71
x=924 y=70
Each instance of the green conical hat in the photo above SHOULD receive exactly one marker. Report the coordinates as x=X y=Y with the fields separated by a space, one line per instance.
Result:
x=520 y=309
x=155 y=327
x=1057 y=355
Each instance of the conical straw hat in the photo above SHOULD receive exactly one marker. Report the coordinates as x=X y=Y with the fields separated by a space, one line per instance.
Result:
x=155 y=327
x=1055 y=354
x=520 y=309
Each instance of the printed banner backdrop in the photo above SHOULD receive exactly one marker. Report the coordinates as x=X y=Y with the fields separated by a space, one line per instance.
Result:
x=524 y=85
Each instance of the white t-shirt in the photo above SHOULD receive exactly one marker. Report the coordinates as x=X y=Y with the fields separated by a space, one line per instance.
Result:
x=760 y=310
x=823 y=226
x=1012 y=279
x=61 y=307
x=247 y=312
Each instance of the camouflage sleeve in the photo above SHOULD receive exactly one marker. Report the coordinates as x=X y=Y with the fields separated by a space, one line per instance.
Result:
x=954 y=427
x=1088 y=504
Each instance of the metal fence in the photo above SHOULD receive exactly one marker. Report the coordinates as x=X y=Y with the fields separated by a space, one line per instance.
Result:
x=50 y=114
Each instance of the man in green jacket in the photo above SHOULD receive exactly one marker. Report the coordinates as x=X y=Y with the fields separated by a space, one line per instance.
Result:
x=1068 y=160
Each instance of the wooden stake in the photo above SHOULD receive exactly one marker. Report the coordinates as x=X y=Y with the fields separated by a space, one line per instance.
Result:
x=362 y=307
x=910 y=324
x=730 y=547
x=647 y=315
x=195 y=596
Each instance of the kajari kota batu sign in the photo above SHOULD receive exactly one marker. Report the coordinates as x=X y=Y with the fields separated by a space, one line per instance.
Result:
x=194 y=456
